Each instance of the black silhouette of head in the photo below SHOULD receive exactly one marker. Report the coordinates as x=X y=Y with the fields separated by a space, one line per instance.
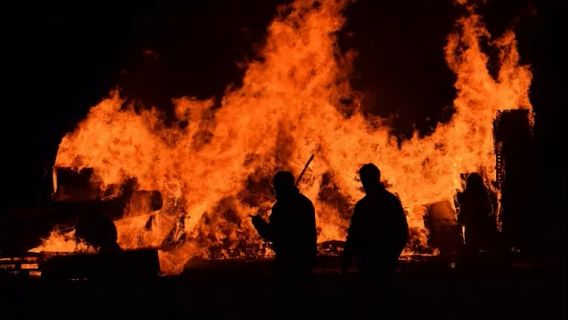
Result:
x=370 y=177
x=283 y=183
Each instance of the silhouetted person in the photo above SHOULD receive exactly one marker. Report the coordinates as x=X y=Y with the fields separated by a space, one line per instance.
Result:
x=292 y=231
x=378 y=232
x=291 y=227
x=476 y=215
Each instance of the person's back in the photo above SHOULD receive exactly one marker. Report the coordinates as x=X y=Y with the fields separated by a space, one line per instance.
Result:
x=294 y=233
x=378 y=232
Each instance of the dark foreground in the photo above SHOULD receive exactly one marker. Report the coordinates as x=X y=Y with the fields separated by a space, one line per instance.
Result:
x=427 y=288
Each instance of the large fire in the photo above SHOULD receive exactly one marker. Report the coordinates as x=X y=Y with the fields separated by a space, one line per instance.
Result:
x=213 y=163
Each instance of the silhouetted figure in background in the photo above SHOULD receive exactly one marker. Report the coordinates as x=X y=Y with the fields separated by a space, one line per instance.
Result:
x=291 y=227
x=476 y=215
x=378 y=232
x=292 y=231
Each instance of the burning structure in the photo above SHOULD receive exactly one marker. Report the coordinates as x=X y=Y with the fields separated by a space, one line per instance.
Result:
x=211 y=164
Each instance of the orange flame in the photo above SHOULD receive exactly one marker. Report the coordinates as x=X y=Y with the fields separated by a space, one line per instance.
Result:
x=214 y=171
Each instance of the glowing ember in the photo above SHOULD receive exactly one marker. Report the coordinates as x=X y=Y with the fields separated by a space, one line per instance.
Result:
x=214 y=172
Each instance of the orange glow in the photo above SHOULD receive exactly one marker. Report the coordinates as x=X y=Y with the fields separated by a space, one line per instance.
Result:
x=213 y=173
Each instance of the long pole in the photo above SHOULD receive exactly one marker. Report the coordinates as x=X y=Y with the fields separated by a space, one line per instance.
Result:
x=304 y=170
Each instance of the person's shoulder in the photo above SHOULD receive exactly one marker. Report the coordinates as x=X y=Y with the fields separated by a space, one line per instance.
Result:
x=304 y=199
x=390 y=195
x=362 y=202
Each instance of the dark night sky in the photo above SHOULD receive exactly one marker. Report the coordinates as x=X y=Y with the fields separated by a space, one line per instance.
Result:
x=58 y=59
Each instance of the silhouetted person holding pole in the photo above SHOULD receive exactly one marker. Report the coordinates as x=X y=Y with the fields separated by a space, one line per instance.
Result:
x=291 y=227
x=378 y=232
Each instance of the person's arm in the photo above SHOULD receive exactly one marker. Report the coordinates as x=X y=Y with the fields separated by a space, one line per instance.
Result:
x=262 y=227
x=312 y=223
x=404 y=235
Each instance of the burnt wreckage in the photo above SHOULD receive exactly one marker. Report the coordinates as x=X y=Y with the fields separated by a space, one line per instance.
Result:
x=77 y=205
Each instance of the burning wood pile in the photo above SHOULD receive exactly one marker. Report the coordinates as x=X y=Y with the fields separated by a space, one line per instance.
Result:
x=188 y=186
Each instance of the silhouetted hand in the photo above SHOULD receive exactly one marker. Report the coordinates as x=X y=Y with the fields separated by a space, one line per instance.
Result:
x=261 y=227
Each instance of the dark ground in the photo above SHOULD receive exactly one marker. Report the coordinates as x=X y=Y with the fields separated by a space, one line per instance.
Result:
x=429 y=288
